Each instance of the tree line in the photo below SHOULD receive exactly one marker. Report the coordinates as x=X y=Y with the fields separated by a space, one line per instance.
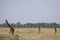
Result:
x=31 y=25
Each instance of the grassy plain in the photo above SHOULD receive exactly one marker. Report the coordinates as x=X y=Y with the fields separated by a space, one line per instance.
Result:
x=30 y=34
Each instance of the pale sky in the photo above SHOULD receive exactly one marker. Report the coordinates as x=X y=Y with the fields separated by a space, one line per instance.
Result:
x=32 y=11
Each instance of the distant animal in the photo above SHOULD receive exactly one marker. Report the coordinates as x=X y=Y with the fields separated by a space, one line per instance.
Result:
x=11 y=28
x=55 y=29
x=39 y=29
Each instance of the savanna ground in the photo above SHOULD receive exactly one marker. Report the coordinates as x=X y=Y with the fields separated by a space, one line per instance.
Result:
x=30 y=34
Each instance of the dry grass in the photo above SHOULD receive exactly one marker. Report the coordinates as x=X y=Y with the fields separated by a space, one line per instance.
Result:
x=30 y=34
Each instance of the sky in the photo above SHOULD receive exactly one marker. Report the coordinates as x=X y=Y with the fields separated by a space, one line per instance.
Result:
x=30 y=11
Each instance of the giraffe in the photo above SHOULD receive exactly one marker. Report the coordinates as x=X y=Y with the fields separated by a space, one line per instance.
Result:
x=55 y=29
x=39 y=29
x=11 y=28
